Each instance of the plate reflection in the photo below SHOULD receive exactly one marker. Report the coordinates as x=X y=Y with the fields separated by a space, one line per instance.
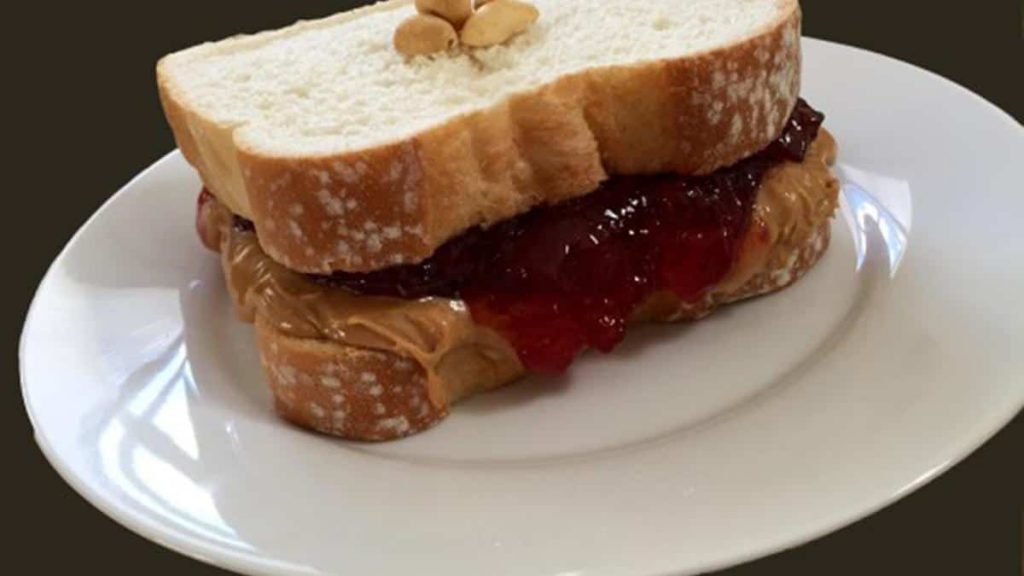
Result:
x=879 y=207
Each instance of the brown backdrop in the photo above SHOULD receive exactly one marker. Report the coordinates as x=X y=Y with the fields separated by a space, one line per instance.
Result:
x=85 y=119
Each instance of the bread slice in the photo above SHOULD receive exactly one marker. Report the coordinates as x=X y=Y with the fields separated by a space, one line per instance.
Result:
x=349 y=157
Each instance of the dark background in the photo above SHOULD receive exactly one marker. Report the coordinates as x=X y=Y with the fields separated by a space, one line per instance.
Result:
x=85 y=118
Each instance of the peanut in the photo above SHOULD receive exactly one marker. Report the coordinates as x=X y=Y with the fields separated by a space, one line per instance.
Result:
x=424 y=34
x=497 y=21
x=454 y=11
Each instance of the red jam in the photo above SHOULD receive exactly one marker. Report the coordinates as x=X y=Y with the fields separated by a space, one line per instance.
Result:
x=563 y=278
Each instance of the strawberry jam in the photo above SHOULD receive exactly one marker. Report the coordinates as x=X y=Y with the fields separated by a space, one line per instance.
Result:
x=559 y=279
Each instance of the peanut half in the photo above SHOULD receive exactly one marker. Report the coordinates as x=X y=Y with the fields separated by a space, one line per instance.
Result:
x=454 y=11
x=497 y=21
x=424 y=34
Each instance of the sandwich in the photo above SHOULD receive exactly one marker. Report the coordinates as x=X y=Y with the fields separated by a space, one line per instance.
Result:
x=416 y=202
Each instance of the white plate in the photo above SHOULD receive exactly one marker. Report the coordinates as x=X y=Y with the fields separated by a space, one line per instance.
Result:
x=692 y=448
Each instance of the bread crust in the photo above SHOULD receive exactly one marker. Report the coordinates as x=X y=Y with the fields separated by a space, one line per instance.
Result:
x=345 y=391
x=374 y=396
x=362 y=210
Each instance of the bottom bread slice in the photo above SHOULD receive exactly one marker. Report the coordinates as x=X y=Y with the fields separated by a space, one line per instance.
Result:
x=371 y=395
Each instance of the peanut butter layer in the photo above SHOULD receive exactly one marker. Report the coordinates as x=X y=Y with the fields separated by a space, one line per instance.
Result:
x=792 y=203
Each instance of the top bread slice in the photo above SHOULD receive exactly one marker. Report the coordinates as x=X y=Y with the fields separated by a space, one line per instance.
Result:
x=349 y=157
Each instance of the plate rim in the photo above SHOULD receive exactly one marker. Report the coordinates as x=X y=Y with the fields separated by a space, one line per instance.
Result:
x=214 y=554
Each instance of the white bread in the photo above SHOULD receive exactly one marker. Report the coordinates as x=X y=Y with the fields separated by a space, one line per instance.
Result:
x=347 y=157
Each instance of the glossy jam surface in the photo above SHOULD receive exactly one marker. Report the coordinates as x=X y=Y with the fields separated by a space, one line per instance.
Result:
x=563 y=278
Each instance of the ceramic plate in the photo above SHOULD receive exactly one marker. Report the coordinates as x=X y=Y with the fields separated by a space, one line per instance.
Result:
x=692 y=448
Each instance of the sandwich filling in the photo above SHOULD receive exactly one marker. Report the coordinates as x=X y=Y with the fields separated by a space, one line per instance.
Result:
x=533 y=292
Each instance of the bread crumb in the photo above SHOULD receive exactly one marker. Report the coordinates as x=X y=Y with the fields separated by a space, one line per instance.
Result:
x=348 y=175
x=339 y=417
x=394 y=172
x=737 y=127
x=280 y=183
x=398 y=425
x=717 y=80
x=410 y=201
x=373 y=244
x=332 y=205
x=333 y=368
x=288 y=375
